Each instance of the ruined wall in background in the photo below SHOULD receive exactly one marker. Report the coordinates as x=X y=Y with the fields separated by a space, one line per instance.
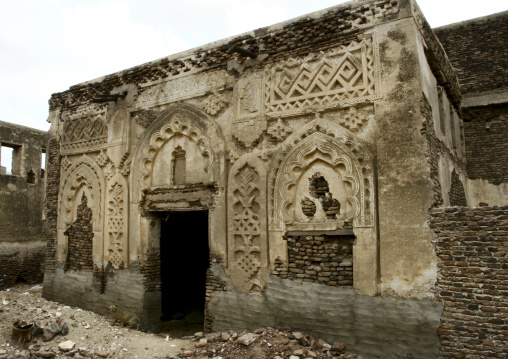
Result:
x=22 y=231
x=483 y=41
x=472 y=245
x=486 y=131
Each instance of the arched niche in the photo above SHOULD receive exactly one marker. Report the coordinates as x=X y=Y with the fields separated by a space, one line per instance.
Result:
x=332 y=154
x=179 y=128
x=83 y=177
x=338 y=158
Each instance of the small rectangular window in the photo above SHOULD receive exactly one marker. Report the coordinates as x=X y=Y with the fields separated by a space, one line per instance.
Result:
x=43 y=162
x=10 y=158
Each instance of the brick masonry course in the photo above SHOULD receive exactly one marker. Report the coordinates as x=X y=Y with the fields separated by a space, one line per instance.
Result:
x=472 y=245
x=477 y=50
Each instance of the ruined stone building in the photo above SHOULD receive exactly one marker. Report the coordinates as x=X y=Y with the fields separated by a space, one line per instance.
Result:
x=22 y=229
x=295 y=175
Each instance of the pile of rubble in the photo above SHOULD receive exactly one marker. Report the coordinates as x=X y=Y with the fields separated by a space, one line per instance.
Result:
x=32 y=328
x=262 y=343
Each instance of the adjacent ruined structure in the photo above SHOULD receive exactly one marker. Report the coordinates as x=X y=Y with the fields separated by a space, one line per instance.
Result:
x=287 y=176
x=22 y=229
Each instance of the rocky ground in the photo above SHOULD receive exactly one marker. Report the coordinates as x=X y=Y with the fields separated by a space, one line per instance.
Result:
x=62 y=332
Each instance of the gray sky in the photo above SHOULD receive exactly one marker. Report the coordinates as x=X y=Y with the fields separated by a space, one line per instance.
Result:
x=46 y=46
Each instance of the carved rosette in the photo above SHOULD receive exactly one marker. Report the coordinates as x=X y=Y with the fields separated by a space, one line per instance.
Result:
x=116 y=220
x=247 y=224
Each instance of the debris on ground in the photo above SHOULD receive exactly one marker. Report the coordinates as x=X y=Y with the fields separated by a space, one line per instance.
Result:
x=60 y=331
x=261 y=344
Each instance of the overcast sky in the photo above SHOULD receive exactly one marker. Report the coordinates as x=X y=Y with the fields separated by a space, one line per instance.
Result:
x=46 y=46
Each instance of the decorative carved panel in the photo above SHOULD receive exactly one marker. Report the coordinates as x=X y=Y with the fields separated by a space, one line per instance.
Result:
x=247 y=223
x=337 y=161
x=116 y=220
x=342 y=77
x=248 y=122
x=179 y=125
x=180 y=88
x=84 y=129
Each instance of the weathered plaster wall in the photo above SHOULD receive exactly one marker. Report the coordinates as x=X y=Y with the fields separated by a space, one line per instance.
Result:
x=472 y=245
x=408 y=266
x=374 y=327
x=22 y=231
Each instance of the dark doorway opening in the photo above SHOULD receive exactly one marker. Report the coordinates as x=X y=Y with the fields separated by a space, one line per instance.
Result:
x=185 y=258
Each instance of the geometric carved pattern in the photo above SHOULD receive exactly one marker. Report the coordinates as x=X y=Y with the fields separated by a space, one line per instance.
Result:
x=354 y=120
x=247 y=223
x=342 y=77
x=116 y=220
x=342 y=154
x=279 y=130
x=85 y=129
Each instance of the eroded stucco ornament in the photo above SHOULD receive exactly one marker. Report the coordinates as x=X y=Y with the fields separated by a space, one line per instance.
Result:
x=214 y=104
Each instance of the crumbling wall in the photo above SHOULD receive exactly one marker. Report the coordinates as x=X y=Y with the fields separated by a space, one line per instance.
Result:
x=472 y=245
x=477 y=50
x=375 y=327
x=321 y=259
x=22 y=230
x=486 y=131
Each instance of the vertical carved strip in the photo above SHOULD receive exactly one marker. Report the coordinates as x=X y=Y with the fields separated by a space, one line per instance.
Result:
x=247 y=224
x=116 y=220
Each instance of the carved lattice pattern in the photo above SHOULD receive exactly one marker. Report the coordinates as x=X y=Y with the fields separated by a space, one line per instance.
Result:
x=116 y=224
x=345 y=76
x=87 y=130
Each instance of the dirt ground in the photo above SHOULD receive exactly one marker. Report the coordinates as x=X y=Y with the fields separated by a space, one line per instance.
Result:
x=89 y=331
x=84 y=334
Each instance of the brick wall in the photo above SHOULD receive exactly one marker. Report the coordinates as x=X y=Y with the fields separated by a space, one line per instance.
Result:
x=486 y=131
x=478 y=52
x=51 y=201
x=213 y=284
x=80 y=235
x=457 y=195
x=151 y=271
x=472 y=245
x=24 y=264
x=319 y=259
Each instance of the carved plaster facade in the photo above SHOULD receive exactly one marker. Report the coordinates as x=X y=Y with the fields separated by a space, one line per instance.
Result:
x=298 y=147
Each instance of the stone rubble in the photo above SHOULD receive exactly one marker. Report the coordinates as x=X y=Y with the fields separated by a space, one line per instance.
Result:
x=262 y=343
x=65 y=332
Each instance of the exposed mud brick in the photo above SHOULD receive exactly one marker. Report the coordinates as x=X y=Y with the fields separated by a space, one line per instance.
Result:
x=457 y=195
x=472 y=245
x=213 y=284
x=21 y=264
x=477 y=50
x=151 y=271
x=319 y=259
x=51 y=202
x=486 y=131
x=80 y=235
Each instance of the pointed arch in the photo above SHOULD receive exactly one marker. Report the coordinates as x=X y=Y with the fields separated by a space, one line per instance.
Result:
x=83 y=177
x=179 y=121
x=321 y=146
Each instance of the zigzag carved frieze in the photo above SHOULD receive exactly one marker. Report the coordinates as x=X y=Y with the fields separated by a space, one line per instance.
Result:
x=346 y=76
x=89 y=129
